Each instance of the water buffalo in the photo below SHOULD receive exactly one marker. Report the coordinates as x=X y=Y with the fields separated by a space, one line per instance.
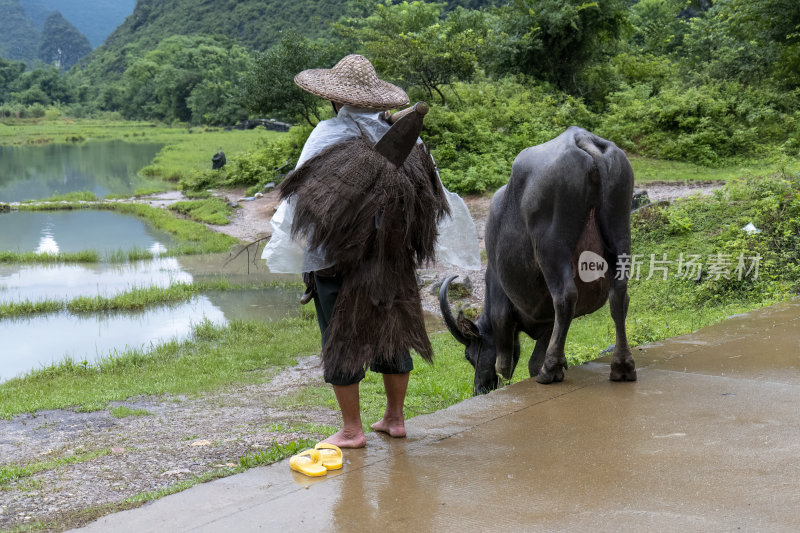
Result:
x=568 y=198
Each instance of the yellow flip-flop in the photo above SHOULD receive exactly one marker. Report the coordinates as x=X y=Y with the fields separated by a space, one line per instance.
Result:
x=308 y=462
x=331 y=455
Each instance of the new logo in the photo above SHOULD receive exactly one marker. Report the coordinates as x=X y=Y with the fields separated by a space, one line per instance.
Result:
x=591 y=266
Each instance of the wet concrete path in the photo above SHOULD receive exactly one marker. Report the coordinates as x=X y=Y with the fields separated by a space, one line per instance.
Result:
x=708 y=439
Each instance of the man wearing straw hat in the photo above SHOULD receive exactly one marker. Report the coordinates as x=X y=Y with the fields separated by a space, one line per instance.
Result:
x=361 y=225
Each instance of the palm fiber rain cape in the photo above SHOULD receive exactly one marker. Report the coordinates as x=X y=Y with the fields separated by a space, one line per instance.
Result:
x=376 y=224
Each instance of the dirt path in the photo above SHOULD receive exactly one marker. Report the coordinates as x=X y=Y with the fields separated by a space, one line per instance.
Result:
x=179 y=438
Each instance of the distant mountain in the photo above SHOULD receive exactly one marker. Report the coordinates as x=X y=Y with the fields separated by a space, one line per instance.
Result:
x=19 y=39
x=96 y=19
x=62 y=44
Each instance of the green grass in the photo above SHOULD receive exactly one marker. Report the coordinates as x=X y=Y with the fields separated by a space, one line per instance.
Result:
x=124 y=256
x=143 y=191
x=188 y=155
x=209 y=210
x=76 y=196
x=135 y=299
x=87 y=256
x=84 y=256
x=124 y=412
x=26 y=307
x=646 y=169
x=11 y=472
x=193 y=237
x=275 y=453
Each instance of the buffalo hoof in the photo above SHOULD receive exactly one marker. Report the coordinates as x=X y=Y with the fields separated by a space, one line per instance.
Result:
x=554 y=376
x=535 y=366
x=622 y=372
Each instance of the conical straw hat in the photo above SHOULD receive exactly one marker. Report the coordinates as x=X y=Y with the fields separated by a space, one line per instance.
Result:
x=352 y=81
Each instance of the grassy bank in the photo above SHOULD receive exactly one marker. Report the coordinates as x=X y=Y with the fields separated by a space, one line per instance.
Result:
x=208 y=211
x=135 y=299
x=647 y=169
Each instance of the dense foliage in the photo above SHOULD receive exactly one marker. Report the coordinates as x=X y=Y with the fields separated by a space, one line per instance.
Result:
x=269 y=88
x=691 y=80
x=185 y=79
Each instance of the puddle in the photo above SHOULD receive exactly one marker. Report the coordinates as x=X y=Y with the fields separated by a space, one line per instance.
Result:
x=107 y=167
x=78 y=230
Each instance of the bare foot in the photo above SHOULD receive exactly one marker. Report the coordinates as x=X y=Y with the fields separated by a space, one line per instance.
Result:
x=348 y=439
x=393 y=426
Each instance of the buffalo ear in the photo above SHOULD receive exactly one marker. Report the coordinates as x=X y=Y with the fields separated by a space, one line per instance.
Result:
x=467 y=326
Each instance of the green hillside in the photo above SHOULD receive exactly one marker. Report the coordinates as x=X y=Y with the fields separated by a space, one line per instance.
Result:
x=96 y=19
x=19 y=40
x=254 y=24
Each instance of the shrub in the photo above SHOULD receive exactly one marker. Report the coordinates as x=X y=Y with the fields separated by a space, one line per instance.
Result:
x=476 y=137
x=706 y=124
x=270 y=163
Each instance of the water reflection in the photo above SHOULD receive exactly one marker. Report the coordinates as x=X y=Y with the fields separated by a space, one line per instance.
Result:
x=34 y=342
x=107 y=167
x=76 y=231
x=65 y=282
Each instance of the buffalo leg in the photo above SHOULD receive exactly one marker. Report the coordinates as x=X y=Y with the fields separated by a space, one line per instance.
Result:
x=558 y=276
x=539 y=351
x=623 y=367
x=614 y=224
x=506 y=346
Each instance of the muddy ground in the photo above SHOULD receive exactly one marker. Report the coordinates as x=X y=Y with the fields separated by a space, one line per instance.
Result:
x=179 y=438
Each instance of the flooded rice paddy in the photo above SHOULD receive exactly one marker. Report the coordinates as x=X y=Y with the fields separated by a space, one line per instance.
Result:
x=31 y=342
x=76 y=231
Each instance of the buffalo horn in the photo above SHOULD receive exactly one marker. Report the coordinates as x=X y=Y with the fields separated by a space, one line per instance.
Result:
x=447 y=313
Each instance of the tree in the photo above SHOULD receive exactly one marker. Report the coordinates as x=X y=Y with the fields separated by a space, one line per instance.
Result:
x=42 y=85
x=9 y=72
x=62 y=44
x=747 y=42
x=554 y=40
x=409 y=42
x=162 y=83
x=659 y=26
x=269 y=87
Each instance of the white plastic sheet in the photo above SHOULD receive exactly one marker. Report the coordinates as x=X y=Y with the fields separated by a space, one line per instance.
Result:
x=458 y=239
